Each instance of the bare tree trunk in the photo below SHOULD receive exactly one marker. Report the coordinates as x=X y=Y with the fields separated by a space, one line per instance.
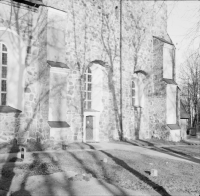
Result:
x=82 y=105
x=121 y=77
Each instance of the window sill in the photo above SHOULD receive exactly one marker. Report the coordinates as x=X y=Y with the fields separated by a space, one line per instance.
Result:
x=173 y=126
x=33 y=3
x=135 y=107
x=58 y=124
x=8 y=109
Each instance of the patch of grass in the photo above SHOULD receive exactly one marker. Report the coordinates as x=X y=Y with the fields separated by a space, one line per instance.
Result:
x=7 y=172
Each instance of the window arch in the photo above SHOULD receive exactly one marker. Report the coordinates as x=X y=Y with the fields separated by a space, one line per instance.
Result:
x=88 y=89
x=3 y=72
x=133 y=93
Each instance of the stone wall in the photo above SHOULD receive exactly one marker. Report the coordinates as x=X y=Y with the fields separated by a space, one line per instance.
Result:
x=87 y=23
x=93 y=33
x=37 y=80
x=43 y=77
x=157 y=117
x=73 y=111
x=9 y=126
x=157 y=95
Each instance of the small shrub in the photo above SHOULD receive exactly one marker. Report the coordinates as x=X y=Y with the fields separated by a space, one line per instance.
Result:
x=43 y=167
x=35 y=164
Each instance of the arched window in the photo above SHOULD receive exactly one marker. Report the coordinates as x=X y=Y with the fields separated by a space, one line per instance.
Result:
x=133 y=93
x=88 y=89
x=3 y=71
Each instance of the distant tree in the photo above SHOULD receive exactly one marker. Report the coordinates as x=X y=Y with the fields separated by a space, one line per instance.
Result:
x=190 y=84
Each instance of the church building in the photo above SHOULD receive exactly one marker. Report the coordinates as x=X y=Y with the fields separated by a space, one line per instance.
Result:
x=91 y=71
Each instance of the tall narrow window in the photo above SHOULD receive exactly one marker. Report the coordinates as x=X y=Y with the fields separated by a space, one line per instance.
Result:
x=88 y=89
x=3 y=67
x=133 y=93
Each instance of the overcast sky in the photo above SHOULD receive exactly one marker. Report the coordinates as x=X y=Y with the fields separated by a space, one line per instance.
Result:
x=182 y=19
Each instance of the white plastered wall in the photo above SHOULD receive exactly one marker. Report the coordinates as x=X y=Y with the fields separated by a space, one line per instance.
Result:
x=175 y=135
x=168 y=55
x=58 y=77
x=183 y=125
x=171 y=104
x=57 y=101
x=56 y=35
x=58 y=94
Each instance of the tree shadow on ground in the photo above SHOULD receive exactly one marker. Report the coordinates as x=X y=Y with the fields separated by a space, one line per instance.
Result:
x=133 y=143
x=22 y=191
x=148 y=143
x=175 y=153
x=41 y=160
x=143 y=178
x=165 y=150
x=41 y=166
x=100 y=164
x=67 y=184
x=69 y=187
x=139 y=142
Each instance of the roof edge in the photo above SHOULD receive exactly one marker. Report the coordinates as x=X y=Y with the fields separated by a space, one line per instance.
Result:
x=58 y=124
x=173 y=126
x=163 y=40
x=8 y=109
x=57 y=64
x=34 y=3
x=170 y=81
